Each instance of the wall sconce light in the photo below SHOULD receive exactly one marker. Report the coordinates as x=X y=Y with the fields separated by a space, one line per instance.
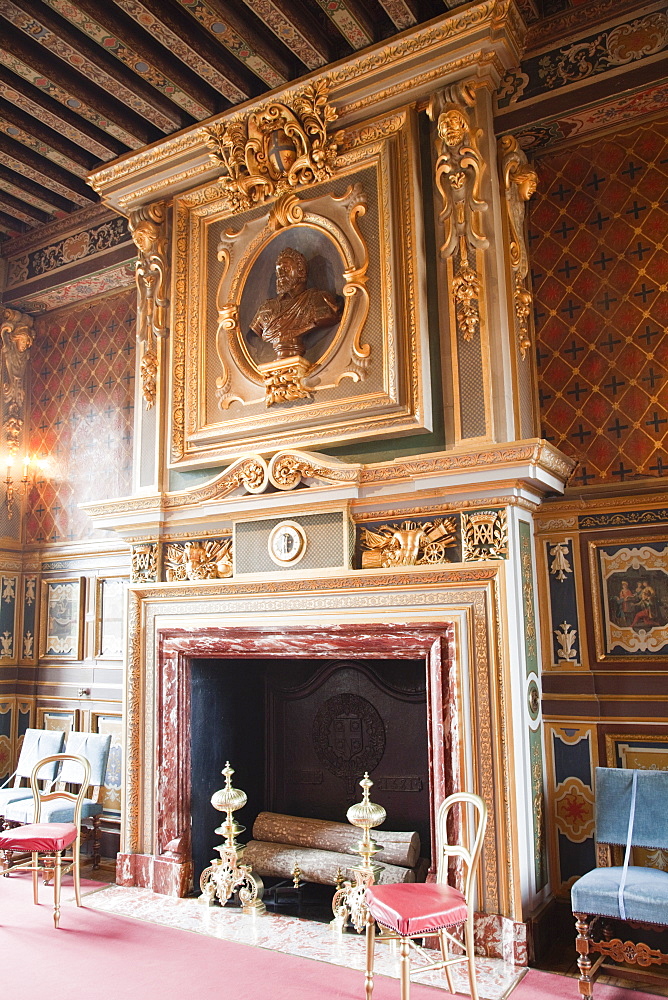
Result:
x=11 y=485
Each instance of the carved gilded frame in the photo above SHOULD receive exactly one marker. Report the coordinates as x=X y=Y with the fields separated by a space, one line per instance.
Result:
x=372 y=377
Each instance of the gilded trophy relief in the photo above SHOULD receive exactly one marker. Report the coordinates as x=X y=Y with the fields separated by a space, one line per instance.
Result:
x=410 y=543
x=291 y=285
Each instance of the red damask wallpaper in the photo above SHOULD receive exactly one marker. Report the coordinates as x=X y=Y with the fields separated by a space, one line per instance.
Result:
x=82 y=380
x=598 y=229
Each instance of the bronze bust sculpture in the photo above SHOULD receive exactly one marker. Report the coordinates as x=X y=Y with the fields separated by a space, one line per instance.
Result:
x=296 y=310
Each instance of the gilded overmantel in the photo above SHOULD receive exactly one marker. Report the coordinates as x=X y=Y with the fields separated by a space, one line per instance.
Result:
x=483 y=38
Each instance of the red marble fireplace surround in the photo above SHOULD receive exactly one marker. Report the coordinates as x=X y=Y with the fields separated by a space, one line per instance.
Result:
x=168 y=868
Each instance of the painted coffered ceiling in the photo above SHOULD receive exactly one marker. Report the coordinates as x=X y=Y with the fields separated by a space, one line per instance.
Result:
x=84 y=81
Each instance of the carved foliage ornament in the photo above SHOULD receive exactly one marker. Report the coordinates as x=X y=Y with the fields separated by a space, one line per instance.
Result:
x=485 y=535
x=458 y=175
x=148 y=226
x=144 y=563
x=17 y=338
x=275 y=147
x=519 y=184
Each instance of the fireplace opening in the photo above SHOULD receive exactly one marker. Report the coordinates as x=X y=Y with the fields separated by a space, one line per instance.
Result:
x=300 y=733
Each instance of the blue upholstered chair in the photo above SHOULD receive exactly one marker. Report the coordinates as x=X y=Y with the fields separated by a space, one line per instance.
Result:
x=46 y=842
x=37 y=743
x=631 y=811
x=95 y=749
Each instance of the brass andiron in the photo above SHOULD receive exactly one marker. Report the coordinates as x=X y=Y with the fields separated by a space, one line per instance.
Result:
x=226 y=874
x=348 y=902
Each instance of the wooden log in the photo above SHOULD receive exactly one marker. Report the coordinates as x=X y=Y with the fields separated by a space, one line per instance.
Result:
x=398 y=848
x=315 y=866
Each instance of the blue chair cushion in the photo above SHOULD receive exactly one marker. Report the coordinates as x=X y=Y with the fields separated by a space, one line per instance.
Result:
x=95 y=748
x=11 y=795
x=38 y=743
x=645 y=894
x=53 y=811
x=613 y=804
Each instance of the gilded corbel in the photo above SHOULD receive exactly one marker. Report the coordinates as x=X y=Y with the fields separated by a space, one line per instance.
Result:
x=16 y=335
x=458 y=176
x=519 y=184
x=148 y=226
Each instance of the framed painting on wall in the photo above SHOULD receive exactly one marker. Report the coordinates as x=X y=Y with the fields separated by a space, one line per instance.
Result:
x=62 y=618
x=109 y=604
x=630 y=599
x=110 y=790
x=53 y=718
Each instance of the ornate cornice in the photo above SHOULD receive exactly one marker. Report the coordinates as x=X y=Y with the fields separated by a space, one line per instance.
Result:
x=257 y=477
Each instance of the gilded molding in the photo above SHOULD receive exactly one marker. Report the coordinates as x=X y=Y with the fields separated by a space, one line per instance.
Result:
x=456 y=507
x=148 y=227
x=16 y=335
x=519 y=184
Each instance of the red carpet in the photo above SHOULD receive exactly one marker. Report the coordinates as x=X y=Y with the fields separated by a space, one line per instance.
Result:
x=94 y=953
x=545 y=986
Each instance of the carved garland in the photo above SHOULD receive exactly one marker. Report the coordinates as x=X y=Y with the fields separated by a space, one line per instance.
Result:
x=458 y=174
x=16 y=335
x=148 y=226
x=519 y=184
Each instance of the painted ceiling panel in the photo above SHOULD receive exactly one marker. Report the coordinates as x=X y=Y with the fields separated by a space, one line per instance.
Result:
x=84 y=81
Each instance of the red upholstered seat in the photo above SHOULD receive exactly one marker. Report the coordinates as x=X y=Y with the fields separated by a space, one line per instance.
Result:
x=412 y=909
x=39 y=837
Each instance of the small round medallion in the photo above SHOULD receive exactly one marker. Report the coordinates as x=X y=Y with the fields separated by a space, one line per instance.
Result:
x=287 y=543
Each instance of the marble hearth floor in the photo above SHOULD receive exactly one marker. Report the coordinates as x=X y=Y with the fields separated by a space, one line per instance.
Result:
x=292 y=935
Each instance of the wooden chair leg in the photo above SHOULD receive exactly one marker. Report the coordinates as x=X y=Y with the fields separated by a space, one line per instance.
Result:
x=35 y=878
x=469 y=941
x=76 y=869
x=582 y=946
x=405 y=968
x=445 y=955
x=97 y=843
x=370 y=945
x=56 y=889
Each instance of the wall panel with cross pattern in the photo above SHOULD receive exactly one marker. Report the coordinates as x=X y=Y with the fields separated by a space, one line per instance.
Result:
x=82 y=413
x=598 y=233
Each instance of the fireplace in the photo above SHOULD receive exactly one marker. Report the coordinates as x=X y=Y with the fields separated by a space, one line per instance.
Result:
x=442 y=625
x=301 y=732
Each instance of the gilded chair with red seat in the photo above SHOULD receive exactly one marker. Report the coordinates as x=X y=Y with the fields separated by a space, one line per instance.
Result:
x=46 y=842
x=407 y=911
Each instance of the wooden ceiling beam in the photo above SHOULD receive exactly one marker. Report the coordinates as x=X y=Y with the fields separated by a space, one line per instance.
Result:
x=58 y=118
x=12 y=225
x=163 y=80
x=351 y=20
x=22 y=210
x=13 y=122
x=23 y=187
x=28 y=59
x=403 y=13
x=186 y=39
x=231 y=31
x=51 y=176
x=295 y=28
x=57 y=36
